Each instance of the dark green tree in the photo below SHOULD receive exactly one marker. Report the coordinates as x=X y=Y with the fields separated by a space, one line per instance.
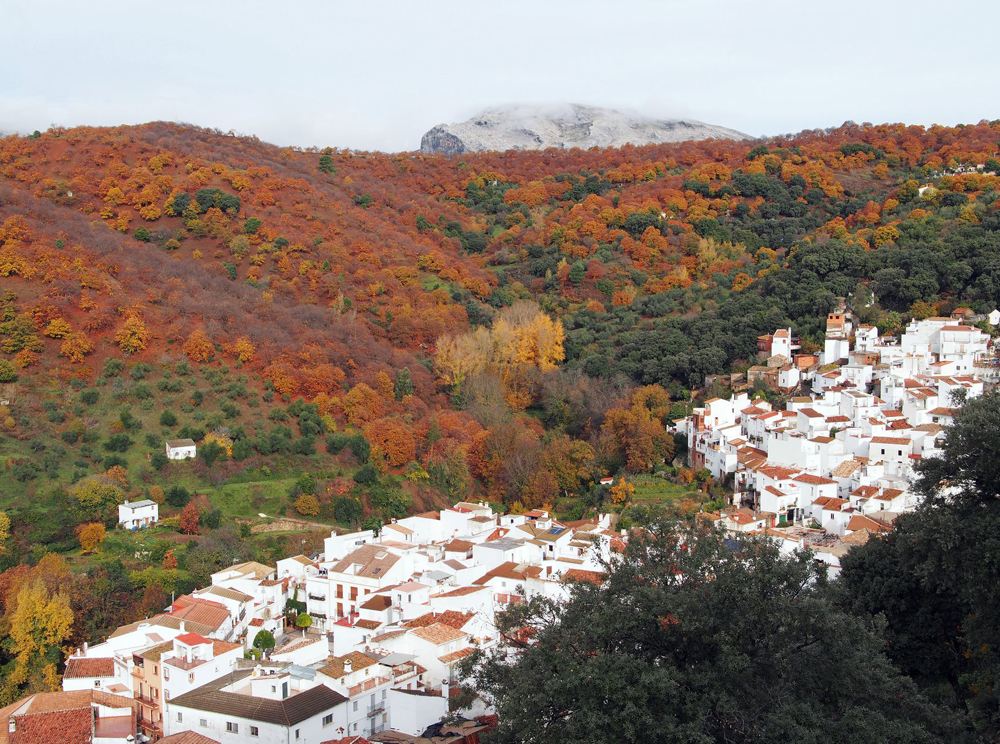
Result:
x=404 y=385
x=933 y=578
x=264 y=640
x=696 y=637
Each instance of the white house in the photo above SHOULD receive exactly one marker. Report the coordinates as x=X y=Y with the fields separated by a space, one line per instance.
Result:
x=258 y=706
x=181 y=449
x=133 y=515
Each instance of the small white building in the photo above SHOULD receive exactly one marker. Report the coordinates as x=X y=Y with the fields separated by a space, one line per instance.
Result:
x=181 y=449
x=134 y=515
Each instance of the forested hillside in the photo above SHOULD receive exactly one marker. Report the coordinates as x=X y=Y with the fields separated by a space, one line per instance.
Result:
x=351 y=336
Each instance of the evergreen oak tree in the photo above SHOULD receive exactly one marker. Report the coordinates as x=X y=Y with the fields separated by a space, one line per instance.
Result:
x=697 y=637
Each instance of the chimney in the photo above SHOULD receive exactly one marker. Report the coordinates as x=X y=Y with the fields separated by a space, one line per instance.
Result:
x=348 y=666
x=84 y=649
x=183 y=628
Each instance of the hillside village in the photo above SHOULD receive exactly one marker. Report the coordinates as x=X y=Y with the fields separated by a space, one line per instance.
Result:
x=391 y=615
x=364 y=638
x=836 y=466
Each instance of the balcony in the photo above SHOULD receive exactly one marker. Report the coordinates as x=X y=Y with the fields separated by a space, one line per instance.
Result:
x=374 y=710
x=147 y=700
x=317 y=597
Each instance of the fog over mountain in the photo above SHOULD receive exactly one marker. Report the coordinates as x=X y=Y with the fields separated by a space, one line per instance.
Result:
x=563 y=126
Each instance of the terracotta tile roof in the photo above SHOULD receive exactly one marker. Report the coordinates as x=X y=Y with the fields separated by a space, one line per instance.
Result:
x=845 y=469
x=439 y=633
x=776 y=472
x=77 y=668
x=452 y=618
x=866 y=492
x=295 y=645
x=861 y=522
x=890 y=440
x=838 y=419
x=810 y=412
x=166 y=621
x=187 y=737
x=941 y=411
x=458 y=546
x=388 y=636
x=889 y=494
x=508 y=570
x=398 y=528
x=63 y=717
x=836 y=505
x=192 y=639
x=814 y=480
x=259 y=570
x=456 y=655
x=203 y=611
x=334 y=668
x=580 y=574
x=462 y=591
x=225 y=593
x=377 y=602
x=368 y=624
x=223 y=647
x=374 y=561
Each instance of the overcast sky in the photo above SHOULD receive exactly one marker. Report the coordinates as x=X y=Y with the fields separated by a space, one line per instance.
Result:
x=377 y=75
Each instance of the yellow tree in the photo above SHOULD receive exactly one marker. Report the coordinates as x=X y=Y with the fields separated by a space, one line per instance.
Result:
x=622 y=491
x=40 y=623
x=198 y=346
x=133 y=335
x=91 y=535
x=57 y=328
x=362 y=404
x=76 y=346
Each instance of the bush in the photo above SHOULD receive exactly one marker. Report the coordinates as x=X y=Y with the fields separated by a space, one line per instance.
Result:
x=177 y=496
x=89 y=396
x=366 y=475
x=159 y=460
x=168 y=418
x=142 y=234
x=7 y=371
x=140 y=371
x=118 y=443
x=251 y=226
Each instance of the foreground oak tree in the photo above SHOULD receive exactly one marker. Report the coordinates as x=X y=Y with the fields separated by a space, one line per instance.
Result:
x=697 y=637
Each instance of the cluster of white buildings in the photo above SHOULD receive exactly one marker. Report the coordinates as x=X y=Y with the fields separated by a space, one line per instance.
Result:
x=836 y=465
x=393 y=616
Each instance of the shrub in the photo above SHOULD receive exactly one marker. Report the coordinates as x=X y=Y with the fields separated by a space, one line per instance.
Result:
x=366 y=475
x=7 y=371
x=168 y=418
x=118 y=443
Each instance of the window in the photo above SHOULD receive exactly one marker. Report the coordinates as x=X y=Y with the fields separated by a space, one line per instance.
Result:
x=254 y=731
x=180 y=717
x=191 y=678
x=355 y=705
x=296 y=734
x=166 y=673
x=167 y=694
x=233 y=728
x=97 y=683
x=383 y=694
x=274 y=688
x=328 y=719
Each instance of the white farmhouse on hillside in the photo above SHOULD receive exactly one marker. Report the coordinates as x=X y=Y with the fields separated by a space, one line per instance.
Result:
x=133 y=515
x=181 y=449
